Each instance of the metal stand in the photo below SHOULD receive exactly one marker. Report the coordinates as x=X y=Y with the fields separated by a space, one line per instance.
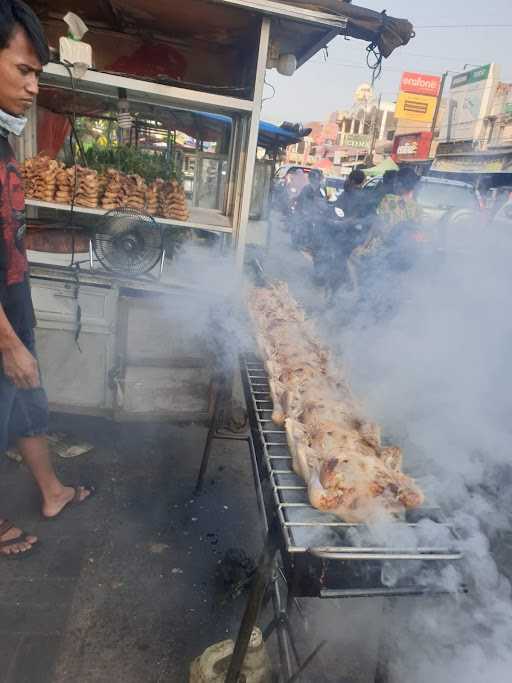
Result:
x=265 y=574
x=306 y=570
x=221 y=393
x=252 y=609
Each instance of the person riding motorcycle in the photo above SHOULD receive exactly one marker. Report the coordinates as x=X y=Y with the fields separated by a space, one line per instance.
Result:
x=391 y=248
x=349 y=227
x=352 y=200
x=309 y=210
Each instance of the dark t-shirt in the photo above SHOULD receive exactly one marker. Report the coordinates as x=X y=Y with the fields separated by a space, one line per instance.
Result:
x=14 y=283
x=354 y=202
x=311 y=203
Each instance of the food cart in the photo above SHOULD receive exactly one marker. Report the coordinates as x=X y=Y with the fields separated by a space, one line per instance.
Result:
x=136 y=347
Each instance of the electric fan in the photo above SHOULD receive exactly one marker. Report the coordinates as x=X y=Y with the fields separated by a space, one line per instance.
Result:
x=128 y=242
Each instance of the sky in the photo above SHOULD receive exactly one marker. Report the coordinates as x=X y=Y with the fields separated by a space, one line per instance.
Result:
x=321 y=87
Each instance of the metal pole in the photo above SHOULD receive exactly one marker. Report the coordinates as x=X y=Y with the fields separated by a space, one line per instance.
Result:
x=284 y=637
x=220 y=390
x=436 y=112
x=308 y=661
x=236 y=164
x=229 y=195
x=251 y=144
x=252 y=610
x=374 y=129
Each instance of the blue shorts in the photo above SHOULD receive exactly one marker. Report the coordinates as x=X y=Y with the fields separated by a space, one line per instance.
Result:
x=23 y=412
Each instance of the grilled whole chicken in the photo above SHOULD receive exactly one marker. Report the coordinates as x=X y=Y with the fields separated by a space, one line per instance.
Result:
x=334 y=448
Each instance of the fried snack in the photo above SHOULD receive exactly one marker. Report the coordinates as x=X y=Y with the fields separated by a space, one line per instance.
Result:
x=40 y=178
x=65 y=185
x=87 y=187
x=152 y=197
x=173 y=202
x=134 y=192
x=111 y=197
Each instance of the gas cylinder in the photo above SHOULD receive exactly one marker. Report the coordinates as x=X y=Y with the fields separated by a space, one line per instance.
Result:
x=213 y=664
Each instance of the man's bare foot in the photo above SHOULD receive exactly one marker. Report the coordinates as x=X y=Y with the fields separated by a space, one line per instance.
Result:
x=9 y=537
x=68 y=495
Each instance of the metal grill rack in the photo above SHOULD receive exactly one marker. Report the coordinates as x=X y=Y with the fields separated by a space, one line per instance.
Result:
x=320 y=555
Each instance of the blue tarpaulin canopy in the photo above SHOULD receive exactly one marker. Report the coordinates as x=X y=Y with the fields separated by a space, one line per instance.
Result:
x=274 y=136
x=208 y=127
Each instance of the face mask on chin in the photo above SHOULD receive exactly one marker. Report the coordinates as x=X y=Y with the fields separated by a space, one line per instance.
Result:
x=12 y=124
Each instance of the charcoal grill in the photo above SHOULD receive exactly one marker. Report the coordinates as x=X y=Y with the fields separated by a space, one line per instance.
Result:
x=320 y=555
x=323 y=556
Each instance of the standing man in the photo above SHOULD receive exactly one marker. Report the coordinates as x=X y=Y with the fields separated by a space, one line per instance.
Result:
x=23 y=403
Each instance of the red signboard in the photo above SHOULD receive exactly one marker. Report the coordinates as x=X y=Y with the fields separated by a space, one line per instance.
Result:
x=420 y=84
x=411 y=147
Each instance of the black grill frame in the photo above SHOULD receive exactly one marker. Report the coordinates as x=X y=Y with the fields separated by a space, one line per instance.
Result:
x=338 y=570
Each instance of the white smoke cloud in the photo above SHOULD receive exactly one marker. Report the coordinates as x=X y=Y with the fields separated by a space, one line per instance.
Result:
x=435 y=371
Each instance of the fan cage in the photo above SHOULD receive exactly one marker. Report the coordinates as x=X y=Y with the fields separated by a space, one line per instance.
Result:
x=128 y=241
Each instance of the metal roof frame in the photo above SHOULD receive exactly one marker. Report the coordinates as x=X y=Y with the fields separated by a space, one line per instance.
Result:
x=107 y=85
x=273 y=8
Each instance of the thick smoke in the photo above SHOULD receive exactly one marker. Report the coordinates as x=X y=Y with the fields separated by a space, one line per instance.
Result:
x=435 y=371
x=211 y=306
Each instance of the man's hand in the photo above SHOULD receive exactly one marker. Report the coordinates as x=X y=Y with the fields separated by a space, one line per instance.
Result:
x=20 y=367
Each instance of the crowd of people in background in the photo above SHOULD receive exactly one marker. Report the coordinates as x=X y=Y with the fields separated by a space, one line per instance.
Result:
x=351 y=239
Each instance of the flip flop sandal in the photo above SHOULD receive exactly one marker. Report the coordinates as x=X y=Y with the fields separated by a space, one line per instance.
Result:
x=75 y=502
x=4 y=528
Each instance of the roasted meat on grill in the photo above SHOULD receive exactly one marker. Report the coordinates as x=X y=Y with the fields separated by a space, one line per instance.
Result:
x=334 y=448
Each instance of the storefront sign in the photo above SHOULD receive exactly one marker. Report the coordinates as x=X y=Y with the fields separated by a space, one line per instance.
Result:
x=470 y=101
x=470 y=77
x=354 y=141
x=455 y=148
x=502 y=101
x=408 y=148
x=413 y=146
x=415 y=107
x=499 y=163
x=420 y=84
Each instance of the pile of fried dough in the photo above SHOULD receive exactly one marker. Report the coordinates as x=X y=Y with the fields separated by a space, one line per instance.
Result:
x=48 y=180
x=336 y=451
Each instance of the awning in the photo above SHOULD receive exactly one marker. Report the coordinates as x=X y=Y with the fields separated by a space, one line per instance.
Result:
x=365 y=24
x=270 y=136
x=380 y=169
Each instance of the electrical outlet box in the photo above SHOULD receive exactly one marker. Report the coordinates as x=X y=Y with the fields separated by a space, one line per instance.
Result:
x=75 y=53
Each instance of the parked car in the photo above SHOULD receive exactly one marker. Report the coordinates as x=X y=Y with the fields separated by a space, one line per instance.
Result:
x=497 y=197
x=503 y=217
x=447 y=201
x=287 y=184
x=451 y=209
